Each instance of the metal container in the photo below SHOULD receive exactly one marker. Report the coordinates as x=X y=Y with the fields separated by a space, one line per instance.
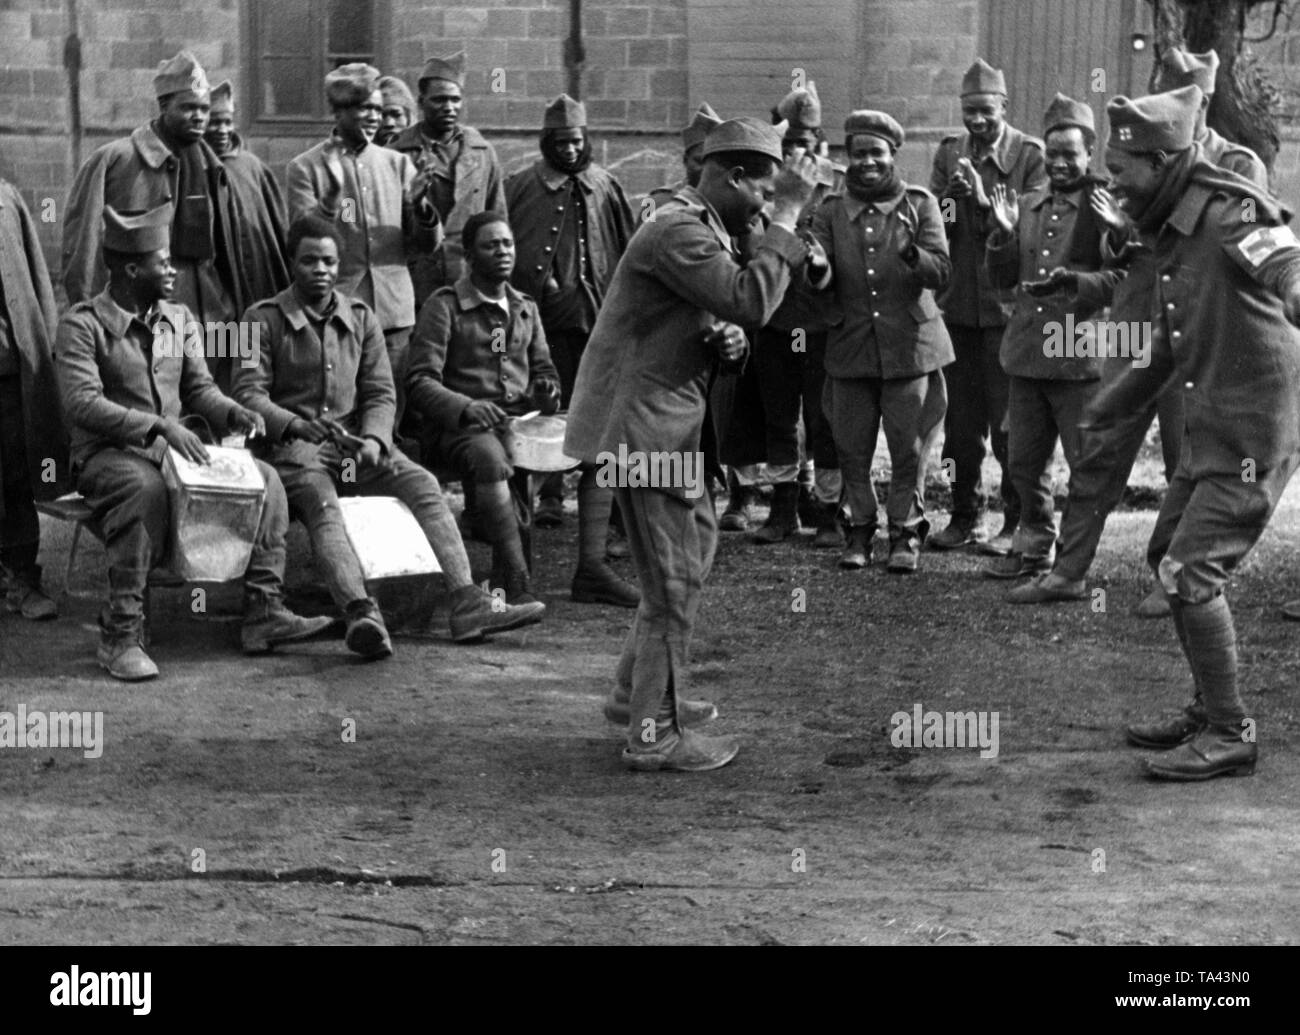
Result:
x=536 y=443
x=386 y=538
x=215 y=510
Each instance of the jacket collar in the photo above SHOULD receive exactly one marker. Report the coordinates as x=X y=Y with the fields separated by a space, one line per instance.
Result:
x=346 y=148
x=412 y=138
x=1005 y=150
x=709 y=215
x=553 y=179
x=468 y=296
x=856 y=206
x=153 y=152
x=117 y=321
x=1072 y=198
x=287 y=300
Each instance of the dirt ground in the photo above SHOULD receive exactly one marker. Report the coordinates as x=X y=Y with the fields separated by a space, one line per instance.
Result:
x=483 y=800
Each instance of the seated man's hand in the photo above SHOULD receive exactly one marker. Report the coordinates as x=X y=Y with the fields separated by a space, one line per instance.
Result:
x=247 y=422
x=371 y=454
x=313 y=431
x=482 y=413
x=183 y=440
x=546 y=394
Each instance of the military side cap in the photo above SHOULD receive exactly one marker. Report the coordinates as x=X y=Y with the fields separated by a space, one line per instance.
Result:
x=396 y=92
x=180 y=74
x=565 y=113
x=704 y=119
x=802 y=109
x=224 y=94
x=1066 y=111
x=451 y=69
x=1178 y=68
x=982 y=77
x=351 y=84
x=746 y=134
x=877 y=123
x=1158 y=122
x=137 y=233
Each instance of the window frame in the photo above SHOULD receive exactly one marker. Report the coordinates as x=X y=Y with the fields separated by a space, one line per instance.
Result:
x=258 y=124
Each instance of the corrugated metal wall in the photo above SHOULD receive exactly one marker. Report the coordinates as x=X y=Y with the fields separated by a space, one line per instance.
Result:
x=1048 y=45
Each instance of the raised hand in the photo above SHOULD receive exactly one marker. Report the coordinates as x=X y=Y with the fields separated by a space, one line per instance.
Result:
x=795 y=183
x=1006 y=208
x=976 y=184
x=1107 y=210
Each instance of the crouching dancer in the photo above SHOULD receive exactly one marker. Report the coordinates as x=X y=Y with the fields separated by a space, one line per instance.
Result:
x=325 y=388
x=123 y=400
x=641 y=390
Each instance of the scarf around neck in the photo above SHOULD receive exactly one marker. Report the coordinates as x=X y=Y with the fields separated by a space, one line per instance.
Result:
x=888 y=187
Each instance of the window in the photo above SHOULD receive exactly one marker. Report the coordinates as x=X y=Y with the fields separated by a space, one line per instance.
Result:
x=292 y=44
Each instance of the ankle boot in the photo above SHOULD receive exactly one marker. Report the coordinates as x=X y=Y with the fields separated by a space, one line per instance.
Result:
x=783 y=519
x=1215 y=751
x=268 y=622
x=23 y=595
x=476 y=614
x=367 y=635
x=830 y=536
x=740 y=499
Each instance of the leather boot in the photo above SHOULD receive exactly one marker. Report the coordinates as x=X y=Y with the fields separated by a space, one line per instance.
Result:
x=1168 y=733
x=475 y=614
x=740 y=502
x=830 y=535
x=23 y=595
x=125 y=660
x=268 y=622
x=857 y=550
x=689 y=712
x=783 y=519
x=367 y=635
x=1215 y=751
x=601 y=584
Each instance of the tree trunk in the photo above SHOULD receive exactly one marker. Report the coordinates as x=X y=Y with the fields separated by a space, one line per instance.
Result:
x=1244 y=100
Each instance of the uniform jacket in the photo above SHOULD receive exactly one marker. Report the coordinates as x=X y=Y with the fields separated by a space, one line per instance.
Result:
x=264 y=226
x=1234 y=157
x=136 y=174
x=379 y=233
x=480 y=187
x=1016 y=160
x=643 y=376
x=346 y=377
x=454 y=358
x=1219 y=328
x=29 y=302
x=115 y=383
x=890 y=326
x=1045 y=239
x=538 y=200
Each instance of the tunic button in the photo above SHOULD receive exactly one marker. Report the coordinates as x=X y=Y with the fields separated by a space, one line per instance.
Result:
x=540 y=268
x=1177 y=334
x=1169 y=305
x=1189 y=386
x=870 y=229
x=547 y=249
x=871 y=273
x=1041 y=270
x=1055 y=218
x=559 y=208
x=1040 y=309
x=555 y=229
x=1166 y=278
x=875 y=313
x=1047 y=251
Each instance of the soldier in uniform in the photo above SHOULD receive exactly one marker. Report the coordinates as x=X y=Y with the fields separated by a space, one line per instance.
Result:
x=888 y=256
x=263 y=215
x=1178 y=68
x=325 y=390
x=382 y=210
x=571 y=222
x=33 y=442
x=458 y=170
x=967 y=167
x=790 y=357
x=123 y=398
x=166 y=161
x=479 y=357
x=640 y=392
x=1054 y=227
x=1223 y=298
